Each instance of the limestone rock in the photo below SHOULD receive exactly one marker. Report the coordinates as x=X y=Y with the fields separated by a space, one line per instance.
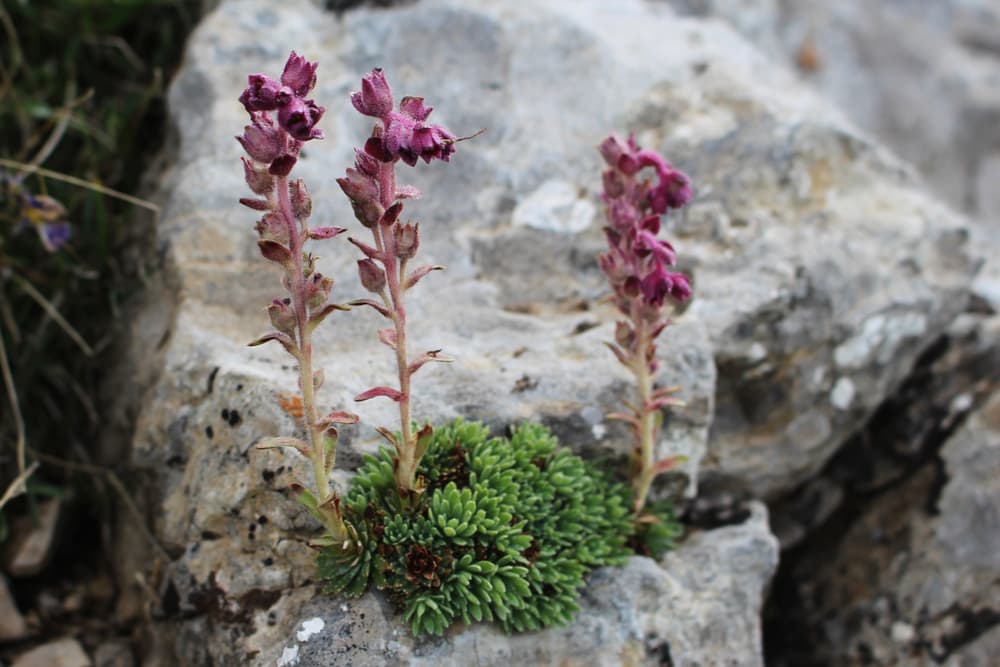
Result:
x=65 y=652
x=921 y=76
x=33 y=538
x=821 y=271
x=916 y=580
x=698 y=606
x=12 y=623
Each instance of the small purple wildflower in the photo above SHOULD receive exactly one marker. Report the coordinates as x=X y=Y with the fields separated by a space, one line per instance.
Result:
x=48 y=216
x=637 y=264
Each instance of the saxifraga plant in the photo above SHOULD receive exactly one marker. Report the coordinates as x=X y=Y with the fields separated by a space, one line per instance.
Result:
x=644 y=290
x=272 y=147
x=401 y=134
x=453 y=524
x=506 y=531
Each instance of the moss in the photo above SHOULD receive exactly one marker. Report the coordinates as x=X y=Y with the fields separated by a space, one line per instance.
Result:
x=506 y=530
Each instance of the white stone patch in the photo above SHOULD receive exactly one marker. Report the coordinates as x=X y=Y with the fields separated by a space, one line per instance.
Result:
x=309 y=628
x=878 y=339
x=555 y=206
x=961 y=403
x=599 y=430
x=757 y=352
x=842 y=394
x=903 y=633
x=289 y=656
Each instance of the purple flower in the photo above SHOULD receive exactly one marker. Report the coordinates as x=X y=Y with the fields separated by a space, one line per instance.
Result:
x=647 y=243
x=371 y=274
x=660 y=283
x=261 y=94
x=299 y=75
x=408 y=138
x=262 y=140
x=257 y=178
x=48 y=216
x=54 y=235
x=363 y=191
x=299 y=118
x=672 y=191
x=375 y=98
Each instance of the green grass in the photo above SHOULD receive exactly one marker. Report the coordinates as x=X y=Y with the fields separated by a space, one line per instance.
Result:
x=82 y=86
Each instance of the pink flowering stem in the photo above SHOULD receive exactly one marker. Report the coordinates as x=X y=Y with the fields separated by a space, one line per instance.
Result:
x=296 y=277
x=644 y=289
x=395 y=270
x=272 y=150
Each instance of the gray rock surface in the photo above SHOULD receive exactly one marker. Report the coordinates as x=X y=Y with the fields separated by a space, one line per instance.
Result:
x=821 y=270
x=922 y=76
x=630 y=616
x=917 y=580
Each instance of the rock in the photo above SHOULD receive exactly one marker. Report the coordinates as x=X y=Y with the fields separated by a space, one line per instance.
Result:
x=32 y=541
x=950 y=379
x=697 y=606
x=916 y=580
x=821 y=268
x=65 y=652
x=12 y=623
x=113 y=654
x=921 y=76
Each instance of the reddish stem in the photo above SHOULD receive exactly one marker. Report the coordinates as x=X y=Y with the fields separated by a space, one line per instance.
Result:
x=297 y=287
x=385 y=242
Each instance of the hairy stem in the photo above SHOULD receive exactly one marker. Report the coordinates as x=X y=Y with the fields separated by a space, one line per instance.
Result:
x=395 y=275
x=297 y=287
x=643 y=479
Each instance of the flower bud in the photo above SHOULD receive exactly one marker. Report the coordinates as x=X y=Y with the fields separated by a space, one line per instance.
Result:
x=282 y=315
x=318 y=289
x=631 y=287
x=358 y=186
x=614 y=184
x=257 y=178
x=375 y=98
x=367 y=164
x=673 y=191
x=372 y=276
x=375 y=147
x=612 y=149
x=272 y=227
x=282 y=165
x=407 y=240
x=299 y=118
x=299 y=74
x=274 y=251
x=262 y=140
x=624 y=335
x=363 y=192
x=681 y=287
x=391 y=214
x=301 y=203
x=261 y=93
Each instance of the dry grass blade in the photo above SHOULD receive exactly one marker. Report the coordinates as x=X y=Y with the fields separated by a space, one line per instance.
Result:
x=53 y=313
x=17 y=487
x=65 y=115
x=26 y=169
x=15 y=52
x=8 y=381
